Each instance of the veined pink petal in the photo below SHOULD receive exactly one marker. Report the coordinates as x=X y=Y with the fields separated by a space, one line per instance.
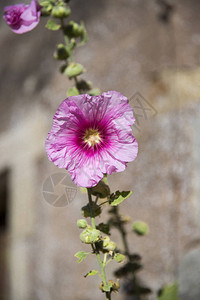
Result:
x=91 y=136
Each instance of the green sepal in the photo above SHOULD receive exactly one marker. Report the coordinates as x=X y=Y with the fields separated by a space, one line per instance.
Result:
x=107 y=287
x=91 y=273
x=84 y=36
x=52 y=25
x=119 y=197
x=80 y=255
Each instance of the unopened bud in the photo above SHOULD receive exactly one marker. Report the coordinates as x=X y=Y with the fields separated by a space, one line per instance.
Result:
x=74 y=70
x=46 y=10
x=110 y=246
x=90 y=236
x=61 y=52
x=81 y=223
x=74 y=29
x=141 y=228
x=60 y=12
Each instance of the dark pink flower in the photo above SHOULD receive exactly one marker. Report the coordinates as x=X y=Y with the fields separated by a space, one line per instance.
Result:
x=92 y=136
x=22 y=18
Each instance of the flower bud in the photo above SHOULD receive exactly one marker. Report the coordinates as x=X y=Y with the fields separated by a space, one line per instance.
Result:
x=81 y=223
x=46 y=10
x=74 y=70
x=90 y=236
x=74 y=29
x=141 y=228
x=60 y=12
x=84 y=85
x=109 y=245
x=61 y=52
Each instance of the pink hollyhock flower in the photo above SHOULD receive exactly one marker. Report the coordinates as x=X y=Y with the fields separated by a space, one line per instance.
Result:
x=92 y=136
x=22 y=18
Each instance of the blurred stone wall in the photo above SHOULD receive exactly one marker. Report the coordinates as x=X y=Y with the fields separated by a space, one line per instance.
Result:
x=151 y=61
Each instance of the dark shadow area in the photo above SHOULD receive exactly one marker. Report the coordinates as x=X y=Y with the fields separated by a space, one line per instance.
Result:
x=132 y=287
x=4 y=227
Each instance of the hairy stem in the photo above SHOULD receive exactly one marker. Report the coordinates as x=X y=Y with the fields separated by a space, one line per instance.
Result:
x=101 y=264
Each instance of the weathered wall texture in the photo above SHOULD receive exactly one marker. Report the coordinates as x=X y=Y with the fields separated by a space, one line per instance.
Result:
x=132 y=51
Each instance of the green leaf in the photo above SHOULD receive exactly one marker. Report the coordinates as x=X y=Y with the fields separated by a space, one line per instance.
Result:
x=107 y=288
x=119 y=197
x=169 y=292
x=119 y=257
x=91 y=273
x=52 y=25
x=80 y=255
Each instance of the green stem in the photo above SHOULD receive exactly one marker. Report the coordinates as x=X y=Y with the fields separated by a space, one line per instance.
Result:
x=101 y=264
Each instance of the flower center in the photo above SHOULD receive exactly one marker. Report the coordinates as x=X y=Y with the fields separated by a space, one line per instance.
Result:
x=92 y=137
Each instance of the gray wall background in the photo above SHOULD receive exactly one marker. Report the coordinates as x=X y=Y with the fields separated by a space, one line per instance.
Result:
x=129 y=50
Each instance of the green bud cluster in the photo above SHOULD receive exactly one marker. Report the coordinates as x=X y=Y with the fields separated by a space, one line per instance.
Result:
x=75 y=35
x=57 y=9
